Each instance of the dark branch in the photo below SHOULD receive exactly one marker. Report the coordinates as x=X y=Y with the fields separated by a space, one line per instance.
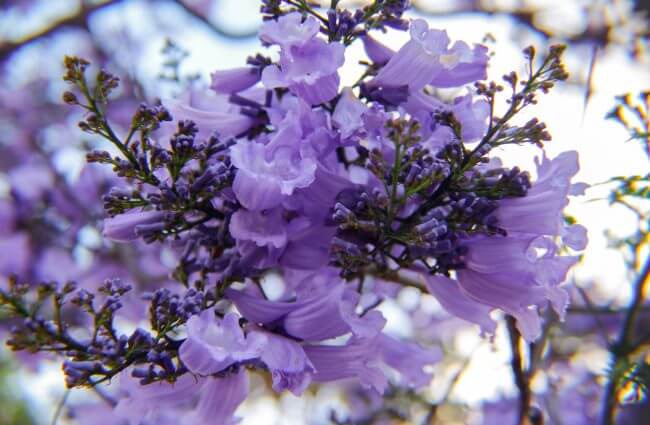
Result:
x=212 y=26
x=624 y=344
x=520 y=376
x=78 y=19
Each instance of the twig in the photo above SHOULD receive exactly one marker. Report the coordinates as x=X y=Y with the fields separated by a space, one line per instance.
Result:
x=59 y=407
x=592 y=311
x=105 y=397
x=431 y=415
x=624 y=345
x=520 y=376
x=589 y=89
x=77 y=19
x=212 y=26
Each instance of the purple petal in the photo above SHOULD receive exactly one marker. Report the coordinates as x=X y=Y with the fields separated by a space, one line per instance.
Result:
x=272 y=77
x=318 y=318
x=309 y=70
x=266 y=228
x=348 y=113
x=19 y=260
x=408 y=359
x=259 y=310
x=367 y=326
x=575 y=237
x=308 y=247
x=254 y=192
x=377 y=52
x=210 y=114
x=212 y=345
x=219 y=399
x=234 y=80
x=143 y=402
x=289 y=30
x=354 y=360
x=456 y=303
x=411 y=66
x=462 y=65
x=260 y=182
x=319 y=91
x=122 y=228
x=289 y=366
x=540 y=211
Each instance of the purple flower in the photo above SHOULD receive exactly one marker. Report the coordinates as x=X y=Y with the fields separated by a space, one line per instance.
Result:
x=285 y=359
x=540 y=211
x=408 y=359
x=309 y=71
x=507 y=273
x=332 y=314
x=7 y=217
x=144 y=403
x=19 y=261
x=209 y=113
x=234 y=80
x=427 y=59
x=462 y=65
x=308 y=65
x=289 y=30
x=30 y=181
x=218 y=400
x=277 y=236
x=471 y=114
x=212 y=344
x=359 y=359
x=348 y=113
x=377 y=52
x=309 y=244
x=325 y=313
x=456 y=303
x=123 y=227
x=266 y=174
x=575 y=236
x=521 y=272
x=263 y=228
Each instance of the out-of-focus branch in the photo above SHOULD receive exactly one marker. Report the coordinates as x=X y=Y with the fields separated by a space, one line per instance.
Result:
x=80 y=18
x=77 y=19
x=602 y=310
x=624 y=344
x=527 y=17
x=212 y=26
x=520 y=375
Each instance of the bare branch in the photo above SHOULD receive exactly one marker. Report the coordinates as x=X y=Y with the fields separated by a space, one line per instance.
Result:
x=624 y=344
x=212 y=26
x=78 y=19
x=520 y=375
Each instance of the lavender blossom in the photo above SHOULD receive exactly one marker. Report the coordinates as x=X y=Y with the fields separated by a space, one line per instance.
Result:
x=219 y=400
x=264 y=175
x=214 y=345
x=427 y=59
x=277 y=171
x=124 y=228
x=308 y=65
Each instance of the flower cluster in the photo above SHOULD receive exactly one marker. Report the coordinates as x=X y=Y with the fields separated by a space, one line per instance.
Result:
x=280 y=171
